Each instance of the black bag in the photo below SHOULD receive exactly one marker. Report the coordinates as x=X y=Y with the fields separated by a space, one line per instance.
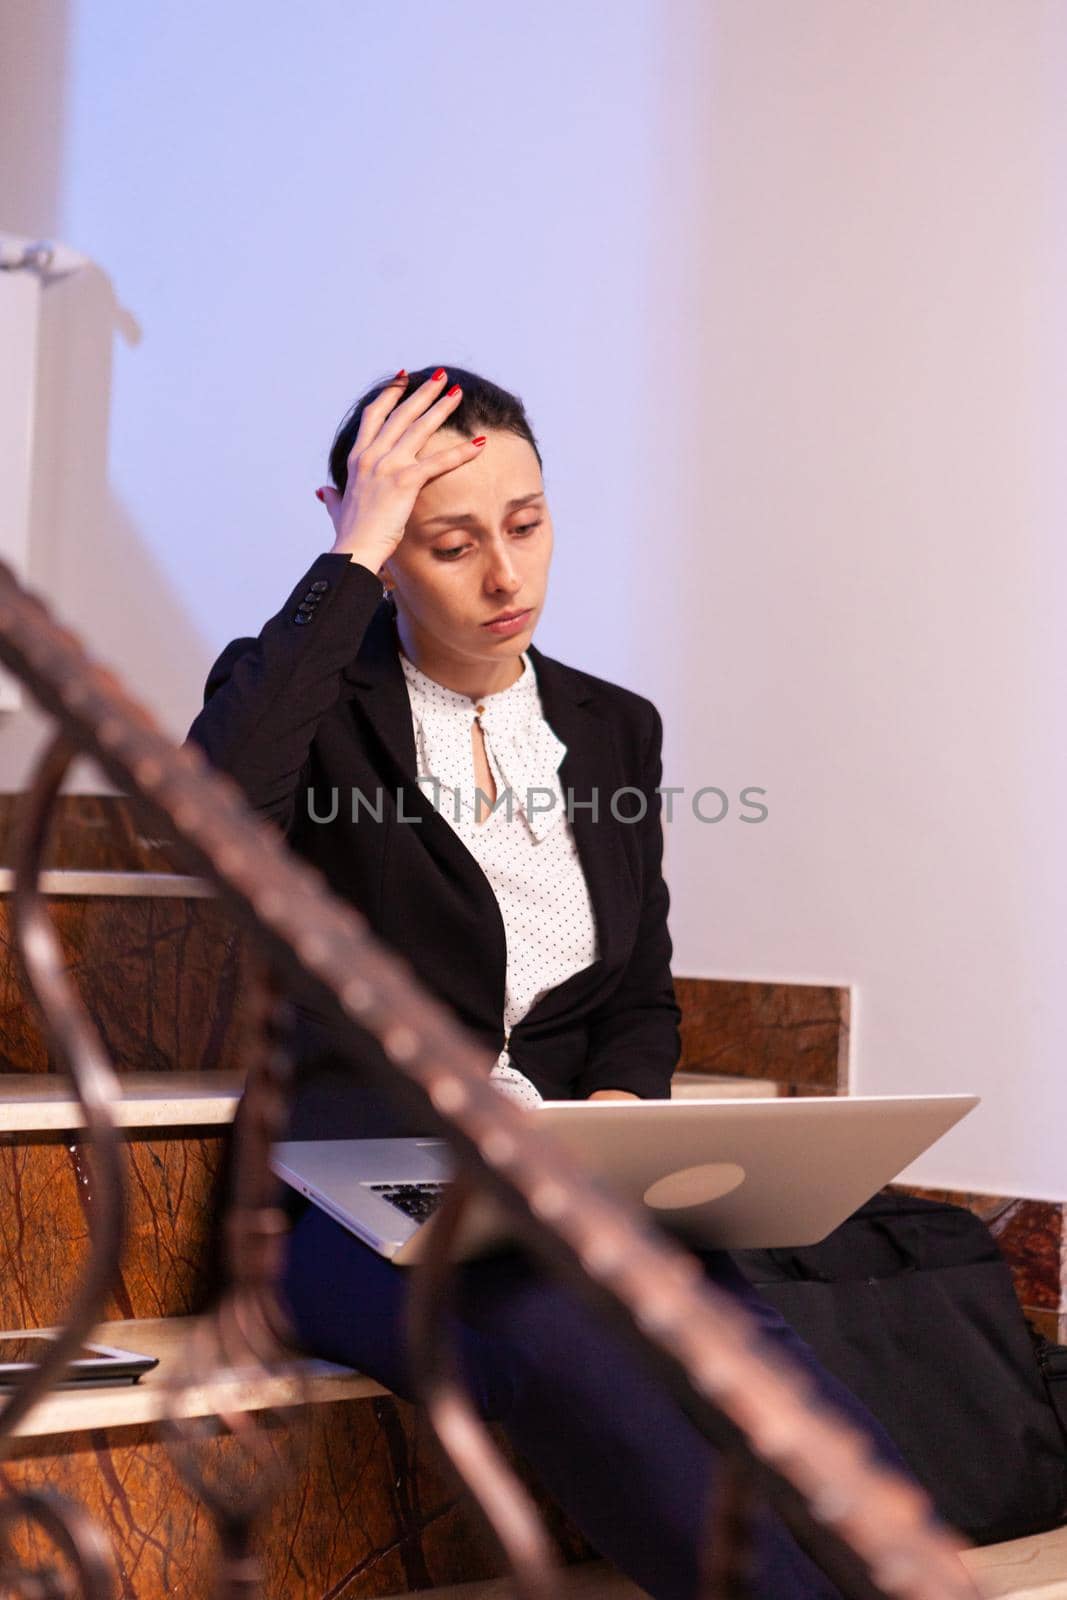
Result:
x=911 y=1305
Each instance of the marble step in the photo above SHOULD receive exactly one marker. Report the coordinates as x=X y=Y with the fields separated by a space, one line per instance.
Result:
x=721 y=1086
x=73 y=1411
x=1023 y=1569
x=74 y=882
x=38 y=1102
x=583 y=1580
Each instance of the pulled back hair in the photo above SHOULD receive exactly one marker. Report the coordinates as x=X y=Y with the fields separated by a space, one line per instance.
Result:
x=483 y=405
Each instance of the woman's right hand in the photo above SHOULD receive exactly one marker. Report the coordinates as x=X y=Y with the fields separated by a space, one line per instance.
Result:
x=384 y=478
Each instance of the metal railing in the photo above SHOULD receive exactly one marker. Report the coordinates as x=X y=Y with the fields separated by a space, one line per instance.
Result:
x=871 y=1530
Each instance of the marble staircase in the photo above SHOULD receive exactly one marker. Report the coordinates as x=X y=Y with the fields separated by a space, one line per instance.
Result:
x=370 y=1508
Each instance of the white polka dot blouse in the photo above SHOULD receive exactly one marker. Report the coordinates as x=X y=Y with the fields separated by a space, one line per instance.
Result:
x=524 y=845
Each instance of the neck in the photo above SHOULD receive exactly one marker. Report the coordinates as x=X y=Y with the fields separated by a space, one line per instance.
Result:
x=462 y=674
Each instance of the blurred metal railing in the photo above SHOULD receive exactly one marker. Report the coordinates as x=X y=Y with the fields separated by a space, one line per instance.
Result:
x=873 y=1532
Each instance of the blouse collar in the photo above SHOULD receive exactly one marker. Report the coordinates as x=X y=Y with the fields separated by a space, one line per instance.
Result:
x=524 y=747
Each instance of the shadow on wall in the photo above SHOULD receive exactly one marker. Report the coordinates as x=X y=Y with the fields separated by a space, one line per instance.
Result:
x=87 y=559
x=33 y=79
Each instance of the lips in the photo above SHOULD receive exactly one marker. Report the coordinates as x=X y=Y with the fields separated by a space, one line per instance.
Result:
x=506 y=616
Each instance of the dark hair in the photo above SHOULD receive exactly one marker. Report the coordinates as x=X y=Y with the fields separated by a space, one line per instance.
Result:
x=483 y=405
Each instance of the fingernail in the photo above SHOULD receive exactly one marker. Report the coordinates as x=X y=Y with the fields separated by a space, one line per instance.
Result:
x=480 y=439
x=454 y=390
x=320 y=496
x=438 y=374
x=401 y=374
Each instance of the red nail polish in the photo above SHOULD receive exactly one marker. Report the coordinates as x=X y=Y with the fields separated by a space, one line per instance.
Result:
x=480 y=439
x=438 y=374
x=320 y=496
x=401 y=374
x=454 y=390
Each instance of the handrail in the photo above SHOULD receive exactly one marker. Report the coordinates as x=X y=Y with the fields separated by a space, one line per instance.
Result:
x=870 y=1529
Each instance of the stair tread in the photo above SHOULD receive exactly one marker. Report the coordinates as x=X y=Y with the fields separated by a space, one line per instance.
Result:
x=73 y=882
x=1034 y=1568
x=129 y=1405
x=584 y=1580
x=34 y=1102
x=37 y=1102
x=720 y=1086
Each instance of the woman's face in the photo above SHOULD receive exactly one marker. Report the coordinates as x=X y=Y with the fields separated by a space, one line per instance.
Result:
x=478 y=543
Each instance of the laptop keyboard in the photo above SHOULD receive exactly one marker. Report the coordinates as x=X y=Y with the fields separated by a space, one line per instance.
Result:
x=415 y=1200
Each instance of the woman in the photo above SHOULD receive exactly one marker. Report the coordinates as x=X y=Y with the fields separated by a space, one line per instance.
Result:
x=405 y=653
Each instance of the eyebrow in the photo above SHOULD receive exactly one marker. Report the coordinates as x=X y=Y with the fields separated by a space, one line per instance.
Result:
x=455 y=518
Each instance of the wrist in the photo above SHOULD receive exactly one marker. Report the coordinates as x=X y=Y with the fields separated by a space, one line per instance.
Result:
x=373 y=560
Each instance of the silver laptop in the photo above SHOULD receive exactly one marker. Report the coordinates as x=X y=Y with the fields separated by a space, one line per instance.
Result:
x=732 y=1174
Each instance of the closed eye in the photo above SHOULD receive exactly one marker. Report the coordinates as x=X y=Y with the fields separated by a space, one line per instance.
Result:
x=449 y=551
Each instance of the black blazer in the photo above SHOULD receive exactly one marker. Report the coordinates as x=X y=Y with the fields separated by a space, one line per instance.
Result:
x=318 y=703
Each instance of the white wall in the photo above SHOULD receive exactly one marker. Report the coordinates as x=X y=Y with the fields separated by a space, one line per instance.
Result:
x=288 y=210
x=780 y=286
x=872 y=544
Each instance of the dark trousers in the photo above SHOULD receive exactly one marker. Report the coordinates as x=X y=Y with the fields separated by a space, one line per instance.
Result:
x=603 y=1435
